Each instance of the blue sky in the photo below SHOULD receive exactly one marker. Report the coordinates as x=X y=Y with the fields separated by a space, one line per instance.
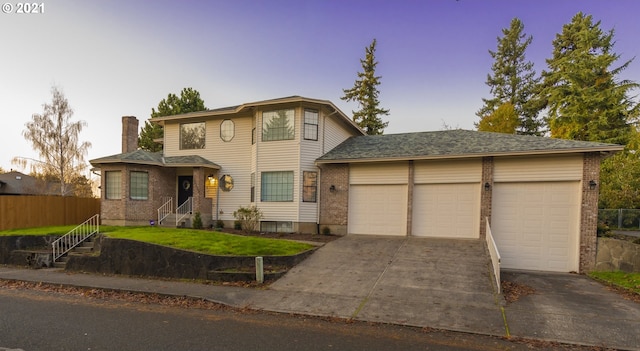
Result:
x=116 y=58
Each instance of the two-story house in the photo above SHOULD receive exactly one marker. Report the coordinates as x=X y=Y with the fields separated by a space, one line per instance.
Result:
x=261 y=153
x=308 y=167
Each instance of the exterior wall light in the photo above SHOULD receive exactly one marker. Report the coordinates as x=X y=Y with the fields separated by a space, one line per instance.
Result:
x=592 y=184
x=332 y=188
x=487 y=186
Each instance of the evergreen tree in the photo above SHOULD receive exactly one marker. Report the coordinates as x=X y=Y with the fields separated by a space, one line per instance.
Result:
x=585 y=101
x=189 y=101
x=365 y=92
x=513 y=80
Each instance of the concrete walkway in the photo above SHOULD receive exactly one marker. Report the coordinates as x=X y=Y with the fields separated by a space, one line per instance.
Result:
x=433 y=283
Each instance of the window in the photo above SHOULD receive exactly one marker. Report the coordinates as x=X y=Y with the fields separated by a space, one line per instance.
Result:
x=227 y=130
x=253 y=187
x=139 y=185
x=276 y=227
x=309 y=186
x=113 y=185
x=276 y=187
x=310 y=124
x=192 y=136
x=278 y=125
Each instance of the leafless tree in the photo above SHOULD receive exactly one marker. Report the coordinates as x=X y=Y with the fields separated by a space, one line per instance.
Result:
x=55 y=137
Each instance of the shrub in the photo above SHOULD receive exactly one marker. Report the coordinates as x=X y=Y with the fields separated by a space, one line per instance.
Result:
x=603 y=229
x=197 y=221
x=219 y=223
x=237 y=225
x=249 y=217
x=326 y=231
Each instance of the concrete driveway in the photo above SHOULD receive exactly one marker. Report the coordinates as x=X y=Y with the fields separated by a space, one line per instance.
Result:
x=573 y=308
x=439 y=283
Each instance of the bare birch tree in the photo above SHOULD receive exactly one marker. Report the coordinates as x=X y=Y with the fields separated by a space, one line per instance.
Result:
x=55 y=137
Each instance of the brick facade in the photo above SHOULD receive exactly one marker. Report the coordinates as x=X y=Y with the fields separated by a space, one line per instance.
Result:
x=486 y=196
x=125 y=211
x=334 y=203
x=201 y=203
x=589 y=211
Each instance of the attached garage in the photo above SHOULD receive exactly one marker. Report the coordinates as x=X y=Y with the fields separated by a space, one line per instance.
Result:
x=446 y=198
x=378 y=199
x=536 y=212
x=539 y=194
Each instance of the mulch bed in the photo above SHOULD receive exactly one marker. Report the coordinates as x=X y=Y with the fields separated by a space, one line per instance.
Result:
x=320 y=238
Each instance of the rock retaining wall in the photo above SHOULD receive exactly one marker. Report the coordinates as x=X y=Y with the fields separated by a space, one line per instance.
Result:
x=128 y=257
x=11 y=248
x=617 y=255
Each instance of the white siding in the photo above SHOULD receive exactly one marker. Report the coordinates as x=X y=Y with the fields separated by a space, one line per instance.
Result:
x=449 y=171
x=334 y=133
x=547 y=168
x=379 y=173
x=279 y=155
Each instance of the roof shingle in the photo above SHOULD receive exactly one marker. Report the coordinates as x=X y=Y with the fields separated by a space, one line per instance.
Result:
x=452 y=144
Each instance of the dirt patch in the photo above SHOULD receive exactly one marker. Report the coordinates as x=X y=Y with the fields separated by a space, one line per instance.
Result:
x=514 y=291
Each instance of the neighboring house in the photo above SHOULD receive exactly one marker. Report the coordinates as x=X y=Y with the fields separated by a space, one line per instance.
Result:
x=308 y=167
x=16 y=183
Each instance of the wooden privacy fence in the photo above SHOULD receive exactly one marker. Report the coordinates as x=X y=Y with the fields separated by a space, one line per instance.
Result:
x=38 y=211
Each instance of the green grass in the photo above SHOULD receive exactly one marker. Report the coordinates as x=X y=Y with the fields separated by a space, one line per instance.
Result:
x=208 y=242
x=628 y=281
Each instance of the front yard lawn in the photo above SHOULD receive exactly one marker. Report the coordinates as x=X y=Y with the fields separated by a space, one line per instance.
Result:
x=627 y=281
x=209 y=242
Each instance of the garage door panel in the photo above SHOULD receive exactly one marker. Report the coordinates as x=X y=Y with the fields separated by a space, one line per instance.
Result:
x=446 y=210
x=378 y=209
x=535 y=225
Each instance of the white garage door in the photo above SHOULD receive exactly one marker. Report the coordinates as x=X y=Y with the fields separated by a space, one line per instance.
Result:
x=378 y=209
x=446 y=210
x=535 y=225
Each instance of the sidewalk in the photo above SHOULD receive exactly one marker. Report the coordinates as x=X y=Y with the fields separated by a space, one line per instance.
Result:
x=565 y=307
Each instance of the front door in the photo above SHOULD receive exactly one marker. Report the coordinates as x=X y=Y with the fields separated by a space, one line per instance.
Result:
x=185 y=188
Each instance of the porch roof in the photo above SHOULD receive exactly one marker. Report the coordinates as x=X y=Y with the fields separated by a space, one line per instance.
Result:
x=143 y=157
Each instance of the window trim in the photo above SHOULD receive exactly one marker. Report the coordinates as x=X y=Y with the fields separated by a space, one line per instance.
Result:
x=272 y=195
x=275 y=113
x=108 y=185
x=314 y=187
x=311 y=125
x=143 y=192
x=204 y=136
x=233 y=130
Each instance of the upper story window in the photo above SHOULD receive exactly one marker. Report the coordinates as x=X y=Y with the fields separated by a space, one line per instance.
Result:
x=192 y=136
x=310 y=124
x=227 y=130
x=278 y=125
x=113 y=185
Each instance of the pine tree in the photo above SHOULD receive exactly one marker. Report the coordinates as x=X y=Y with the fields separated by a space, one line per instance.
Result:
x=189 y=101
x=513 y=80
x=585 y=101
x=366 y=93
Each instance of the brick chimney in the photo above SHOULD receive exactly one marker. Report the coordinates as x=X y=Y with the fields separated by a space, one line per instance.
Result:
x=129 y=134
